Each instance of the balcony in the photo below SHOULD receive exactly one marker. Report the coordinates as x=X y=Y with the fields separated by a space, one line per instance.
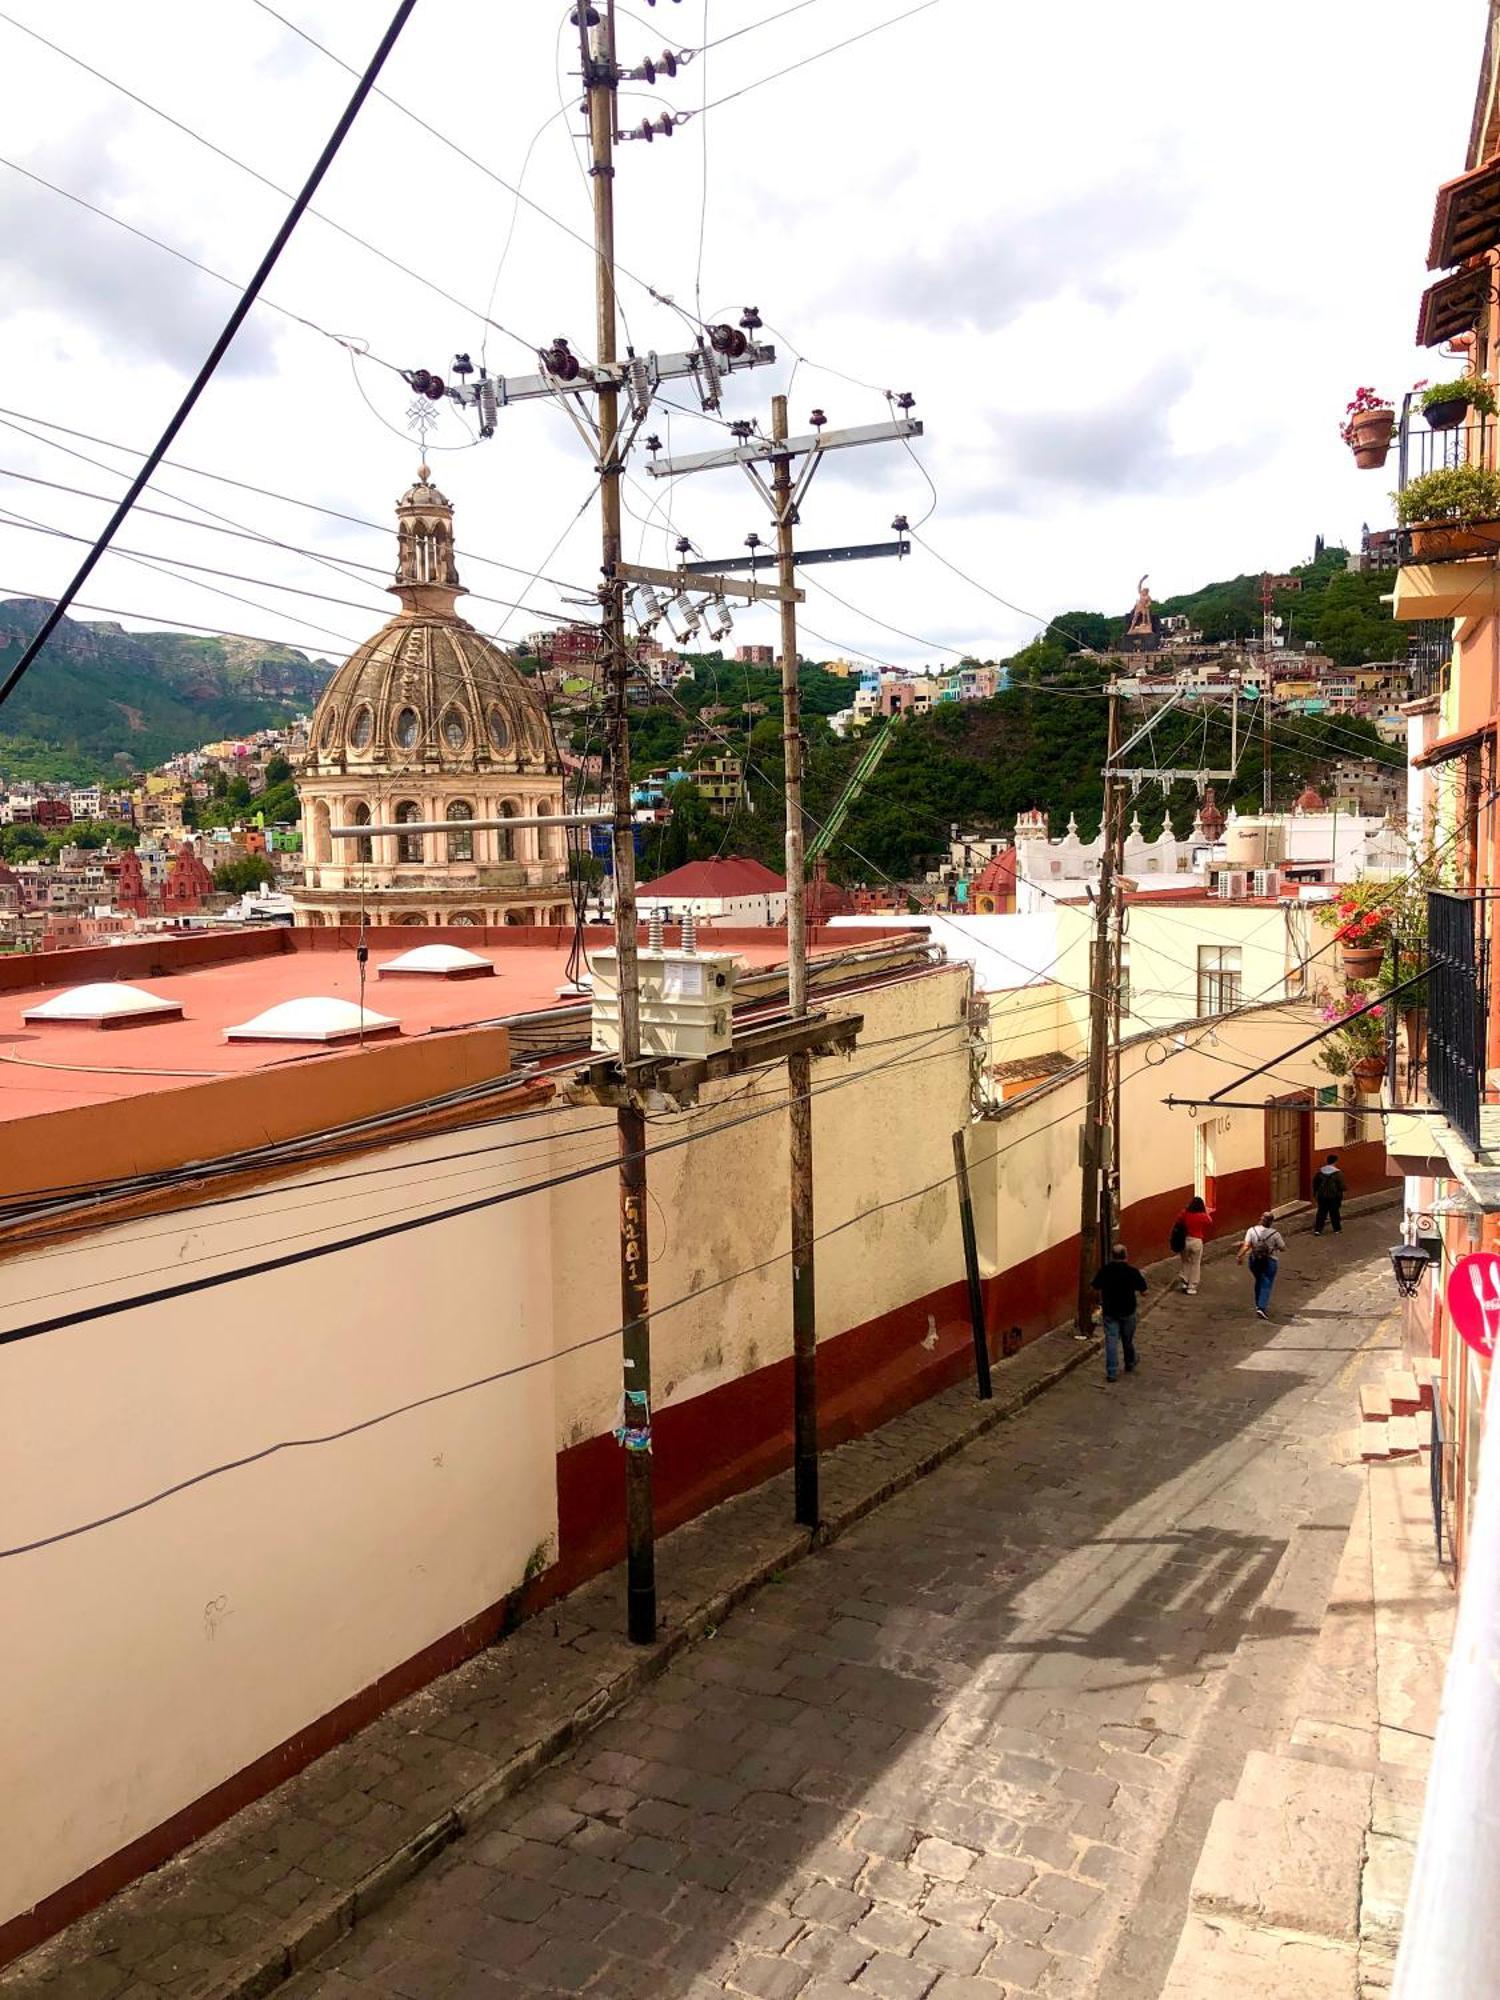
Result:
x=1445 y=570
x=1457 y=1010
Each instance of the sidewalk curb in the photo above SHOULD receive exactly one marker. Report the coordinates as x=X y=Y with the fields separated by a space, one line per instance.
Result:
x=271 y=1966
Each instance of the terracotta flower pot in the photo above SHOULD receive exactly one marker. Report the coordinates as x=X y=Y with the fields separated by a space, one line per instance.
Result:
x=1447 y=416
x=1370 y=437
x=1450 y=541
x=1362 y=961
x=1368 y=1073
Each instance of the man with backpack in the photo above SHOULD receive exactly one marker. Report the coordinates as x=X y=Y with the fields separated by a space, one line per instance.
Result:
x=1262 y=1241
x=1328 y=1193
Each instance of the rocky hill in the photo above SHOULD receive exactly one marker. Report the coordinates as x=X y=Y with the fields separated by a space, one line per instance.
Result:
x=102 y=702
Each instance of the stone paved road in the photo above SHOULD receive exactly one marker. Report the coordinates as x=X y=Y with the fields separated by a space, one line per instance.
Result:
x=971 y=1750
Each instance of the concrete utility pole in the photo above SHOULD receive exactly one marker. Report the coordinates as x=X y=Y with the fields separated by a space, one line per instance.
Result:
x=784 y=495
x=1095 y=1211
x=598 y=45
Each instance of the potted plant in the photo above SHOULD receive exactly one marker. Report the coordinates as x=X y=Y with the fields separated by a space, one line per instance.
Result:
x=1452 y=512
x=1362 y=930
x=1357 y=1049
x=1446 y=404
x=1366 y=429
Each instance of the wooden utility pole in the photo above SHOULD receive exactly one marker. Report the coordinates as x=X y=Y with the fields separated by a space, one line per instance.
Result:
x=635 y=1262
x=799 y=1066
x=1095 y=1215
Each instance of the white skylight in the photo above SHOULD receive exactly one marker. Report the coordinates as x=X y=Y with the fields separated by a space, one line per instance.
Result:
x=438 y=961
x=108 y=1004
x=313 y=1020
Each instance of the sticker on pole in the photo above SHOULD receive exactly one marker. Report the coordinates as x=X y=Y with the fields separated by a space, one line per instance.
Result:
x=1474 y=1299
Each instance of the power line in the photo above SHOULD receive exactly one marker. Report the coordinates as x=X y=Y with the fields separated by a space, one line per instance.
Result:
x=104 y=214
x=157 y=618
x=216 y=353
x=265 y=493
x=818 y=55
x=255 y=174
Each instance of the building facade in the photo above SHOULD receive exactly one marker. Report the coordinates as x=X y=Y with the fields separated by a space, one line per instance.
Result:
x=430 y=721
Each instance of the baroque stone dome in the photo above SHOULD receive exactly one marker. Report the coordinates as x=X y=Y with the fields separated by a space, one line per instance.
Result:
x=428 y=692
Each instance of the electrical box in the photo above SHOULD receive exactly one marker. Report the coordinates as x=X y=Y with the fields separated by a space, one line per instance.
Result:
x=687 y=1002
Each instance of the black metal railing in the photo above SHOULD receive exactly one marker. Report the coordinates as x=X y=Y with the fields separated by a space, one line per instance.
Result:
x=1429 y=657
x=1420 y=449
x=1435 y=1470
x=1457 y=1009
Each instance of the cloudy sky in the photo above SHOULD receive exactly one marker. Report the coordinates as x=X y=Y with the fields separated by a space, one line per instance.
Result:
x=1131 y=262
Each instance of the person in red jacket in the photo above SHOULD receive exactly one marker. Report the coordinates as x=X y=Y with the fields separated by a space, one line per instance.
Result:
x=1189 y=1231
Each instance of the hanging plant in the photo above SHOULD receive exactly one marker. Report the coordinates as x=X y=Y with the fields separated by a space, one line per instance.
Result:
x=1446 y=404
x=1366 y=429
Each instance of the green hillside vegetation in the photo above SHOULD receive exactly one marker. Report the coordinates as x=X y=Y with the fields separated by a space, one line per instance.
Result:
x=105 y=703
x=1040 y=743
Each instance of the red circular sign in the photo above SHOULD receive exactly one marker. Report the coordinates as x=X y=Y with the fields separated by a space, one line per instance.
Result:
x=1473 y=1297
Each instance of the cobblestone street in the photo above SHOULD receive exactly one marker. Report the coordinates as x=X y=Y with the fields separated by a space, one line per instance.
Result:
x=973 y=1748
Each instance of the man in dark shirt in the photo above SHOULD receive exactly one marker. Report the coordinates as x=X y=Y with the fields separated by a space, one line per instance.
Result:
x=1119 y=1285
x=1328 y=1193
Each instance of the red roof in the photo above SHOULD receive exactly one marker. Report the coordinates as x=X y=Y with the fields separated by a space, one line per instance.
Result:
x=735 y=875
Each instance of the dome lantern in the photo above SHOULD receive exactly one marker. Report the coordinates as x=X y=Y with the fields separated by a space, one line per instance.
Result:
x=426 y=574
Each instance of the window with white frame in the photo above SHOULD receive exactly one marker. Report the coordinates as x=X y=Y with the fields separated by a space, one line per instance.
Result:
x=1219 y=974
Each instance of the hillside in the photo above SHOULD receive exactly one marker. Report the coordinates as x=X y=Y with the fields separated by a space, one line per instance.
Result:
x=102 y=702
x=1041 y=743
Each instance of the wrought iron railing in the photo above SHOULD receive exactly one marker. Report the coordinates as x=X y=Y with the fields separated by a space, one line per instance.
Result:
x=1457 y=1009
x=1435 y=1471
x=1429 y=657
x=1420 y=449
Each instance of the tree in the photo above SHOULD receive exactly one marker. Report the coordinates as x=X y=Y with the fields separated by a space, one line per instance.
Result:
x=23 y=842
x=278 y=771
x=249 y=871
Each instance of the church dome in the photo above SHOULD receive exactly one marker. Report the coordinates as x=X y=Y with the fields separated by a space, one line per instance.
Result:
x=428 y=692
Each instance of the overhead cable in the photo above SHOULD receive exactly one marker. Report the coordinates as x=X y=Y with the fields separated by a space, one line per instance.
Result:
x=216 y=353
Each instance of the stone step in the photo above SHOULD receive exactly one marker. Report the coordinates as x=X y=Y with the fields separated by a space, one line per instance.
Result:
x=1374 y=1446
x=1406 y=1397
x=1285 y=1853
x=1404 y=1435
x=1374 y=1402
x=1219 y=1960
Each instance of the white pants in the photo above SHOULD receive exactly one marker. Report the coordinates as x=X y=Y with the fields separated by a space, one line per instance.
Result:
x=1191 y=1255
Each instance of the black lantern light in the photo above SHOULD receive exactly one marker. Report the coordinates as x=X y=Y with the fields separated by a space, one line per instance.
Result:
x=1409 y=1261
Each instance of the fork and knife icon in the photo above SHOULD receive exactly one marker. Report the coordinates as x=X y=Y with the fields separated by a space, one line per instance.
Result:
x=1488 y=1302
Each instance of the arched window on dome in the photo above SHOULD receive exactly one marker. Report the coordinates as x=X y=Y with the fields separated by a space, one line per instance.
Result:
x=364 y=847
x=460 y=845
x=408 y=845
x=505 y=839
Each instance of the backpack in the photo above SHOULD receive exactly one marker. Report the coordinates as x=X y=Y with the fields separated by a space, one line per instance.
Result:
x=1177 y=1241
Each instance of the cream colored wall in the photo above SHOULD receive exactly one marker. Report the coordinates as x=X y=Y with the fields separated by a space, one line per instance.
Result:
x=150 y=1659
x=1164 y=943
x=883 y=1121
x=1025 y=1165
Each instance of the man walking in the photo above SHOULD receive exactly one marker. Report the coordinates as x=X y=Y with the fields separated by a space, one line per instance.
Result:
x=1119 y=1285
x=1328 y=1193
x=1262 y=1242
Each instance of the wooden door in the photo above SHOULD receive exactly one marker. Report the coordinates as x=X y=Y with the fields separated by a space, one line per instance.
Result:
x=1285 y=1134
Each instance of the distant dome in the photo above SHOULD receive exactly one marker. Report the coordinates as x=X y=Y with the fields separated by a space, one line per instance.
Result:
x=1310 y=800
x=428 y=692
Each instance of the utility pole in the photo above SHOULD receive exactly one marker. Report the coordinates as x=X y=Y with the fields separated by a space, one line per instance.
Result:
x=783 y=495
x=598 y=47
x=1095 y=1217
x=1114 y=809
x=1267 y=635
x=799 y=1065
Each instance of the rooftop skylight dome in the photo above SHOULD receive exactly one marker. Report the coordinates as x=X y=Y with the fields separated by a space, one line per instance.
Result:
x=438 y=961
x=314 y=1019
x=107 y=1004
